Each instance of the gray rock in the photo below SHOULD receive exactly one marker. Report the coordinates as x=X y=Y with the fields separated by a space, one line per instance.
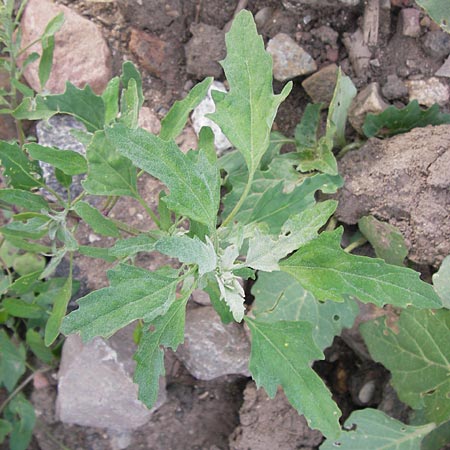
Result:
x=326 y=35
x=428 y=92
x=289 y=59
x=201 y=297
x=358 y=53
x=320 y=86
x=204 y=51
x=271 y=424
x=436 y=44
x=298 y=5
x=444 y=70
x=392 y=406
x=263 y=16
x=369 y=100
x=95 y=386
x=212 y=349
x=409 y=22
x=394 y=88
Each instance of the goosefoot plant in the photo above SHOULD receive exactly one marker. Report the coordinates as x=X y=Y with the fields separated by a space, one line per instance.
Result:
x=270 y=227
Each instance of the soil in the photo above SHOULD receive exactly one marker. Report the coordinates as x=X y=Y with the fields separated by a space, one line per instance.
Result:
x=211 y=415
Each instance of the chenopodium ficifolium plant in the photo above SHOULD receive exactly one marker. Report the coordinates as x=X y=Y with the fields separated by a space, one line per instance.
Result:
x=270 y=225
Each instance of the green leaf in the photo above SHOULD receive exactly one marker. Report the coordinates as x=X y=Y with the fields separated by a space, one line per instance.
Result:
x=53 y=26
x=165 y=216
x=125 y=248
x=20 y=308
x=19 y=171
x=247 y=112
x=194 y=183
x=438 y=438
x=27 y=246
x=63 y=179
x=96 y=252
x=96 y=220
x=167 y=331
x=46 y=62
x=396 y=121
x=110 y=98
x=54 y=263
x=370 y=429
x=20 y=412
x=109 y=173
x=441 y=282
x=206 y=143
x=190 y=251
x=129 y=105
x=386 y=240
x=416 y=351
x=212 y=289
x=28 y=263
x=281 y=355
x=12 y=361
x=70 y=162
x=37 y=346
x=53 y=326
x=22 y=88
x=5 y=429
x=172 y=125
x=278 y=296
x=438 y=11
x=129 y=72
x=24 y=284
x=134 y=293
x=23 y=199
x=264 y=252
x=329 y=273
x=306 y=130
x=33 y=228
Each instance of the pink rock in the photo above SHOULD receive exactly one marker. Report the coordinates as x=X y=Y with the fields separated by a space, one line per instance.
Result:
x=81 y=54
x=409 y=22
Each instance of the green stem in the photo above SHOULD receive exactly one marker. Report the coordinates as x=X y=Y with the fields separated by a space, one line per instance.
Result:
x=127 y=228
x=347 y=148
x=331 y=224
x=148 y=210
x=240 y=202
x=358 y=243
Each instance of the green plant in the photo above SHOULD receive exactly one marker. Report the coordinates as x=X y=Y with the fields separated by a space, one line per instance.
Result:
x=271 y=225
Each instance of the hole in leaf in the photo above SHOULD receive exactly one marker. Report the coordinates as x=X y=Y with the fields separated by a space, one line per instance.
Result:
x=430 y=392
x=403 y=429
x=336 y=317
x=337 y=444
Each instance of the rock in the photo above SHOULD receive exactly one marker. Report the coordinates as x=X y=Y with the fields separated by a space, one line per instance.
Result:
x=326 y=35
x=81 y=54
x=436 y=44
x=394 y=88
x=298 y=5
x=212 y=349
x=320 y=86
x=428 y=92
x=392 y=406
x=369 y=100
x=409 y=22
x=200 y=120
x=358 y=52
x=271 y=424
x=201 y=297
x=263 y=16
x=187 y=140
x=403 y=180
x=204 y=51
x=289 y=59
x=95 y=384
x=444 y=70
x=159 y=57
x=149 y=120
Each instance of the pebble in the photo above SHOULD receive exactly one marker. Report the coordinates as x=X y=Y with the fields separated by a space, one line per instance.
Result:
x=289 y=59
x=436 y=44
x=409 y=22
x=326 y=35
x=394 y=88
x=444 y=70
x=428 y=92
x=200 y=120
x=149 y=121
x=95 y=384
x=320 y=86
x=358 y=53
x=263 y=16
x=369 y=100
x=297 y=6
x=212 y=349
x=81 y=54
x=201 y=297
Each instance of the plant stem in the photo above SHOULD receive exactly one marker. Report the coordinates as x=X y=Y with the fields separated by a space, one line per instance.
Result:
x=240 y=202
x=148 y=210
x=348 y=147
x=358 y=243
x=331 y=224
x=127 y=228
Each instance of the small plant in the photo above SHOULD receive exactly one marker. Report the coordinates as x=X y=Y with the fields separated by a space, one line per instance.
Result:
x=271 y=227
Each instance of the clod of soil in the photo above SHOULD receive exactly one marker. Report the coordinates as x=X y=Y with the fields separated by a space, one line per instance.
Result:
x=404 y=181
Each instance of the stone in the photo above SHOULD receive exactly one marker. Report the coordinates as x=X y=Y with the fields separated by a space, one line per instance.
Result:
x=428 y=92
x=392 y=406
x=369 y=100
x=263 y=16
x=297 y=6
x=326 y=35
x=358 y=52
x=95 y=384
x=320 y=86
x=444 y=70
x=289 y=59
x=187 y=139
x=403 y=180
x=409 y=22
x=394 y=88
x=204 y=51
x=200 y=120
x=271 y=424
x=81 y=54
x=212 y=349
x=201 y=297
x=436 y=44
x=149 y=121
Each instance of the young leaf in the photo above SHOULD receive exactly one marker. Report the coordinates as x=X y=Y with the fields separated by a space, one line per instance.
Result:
x=96 y=220
x=386 y=240
x=441 y=282
x=22 y=429
x=129 y=105
x=165 y=216
x=24 y=199
x=134 y=294
x=70 y=162
x=12 y=361
x=109 y=173
x=110 y=98
x=124 y=248
x=33 y=228
x=190 y=251
x=194 y=183
x=37 y=346
x=281 y=355
x=373 y=429
x=396 y=121
x=213 y=290
x=129 y=72
x=329 y=273
x=19 y=171
x=18 y=307
x=247 y=112
x=264 y=252
x=167 y=331
x=5 y=429
x=206 y=143
x=278 y=296
x=53 y=26
x=46 y=62
x=172 y=125
x=416 y=351
x=96 y=252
